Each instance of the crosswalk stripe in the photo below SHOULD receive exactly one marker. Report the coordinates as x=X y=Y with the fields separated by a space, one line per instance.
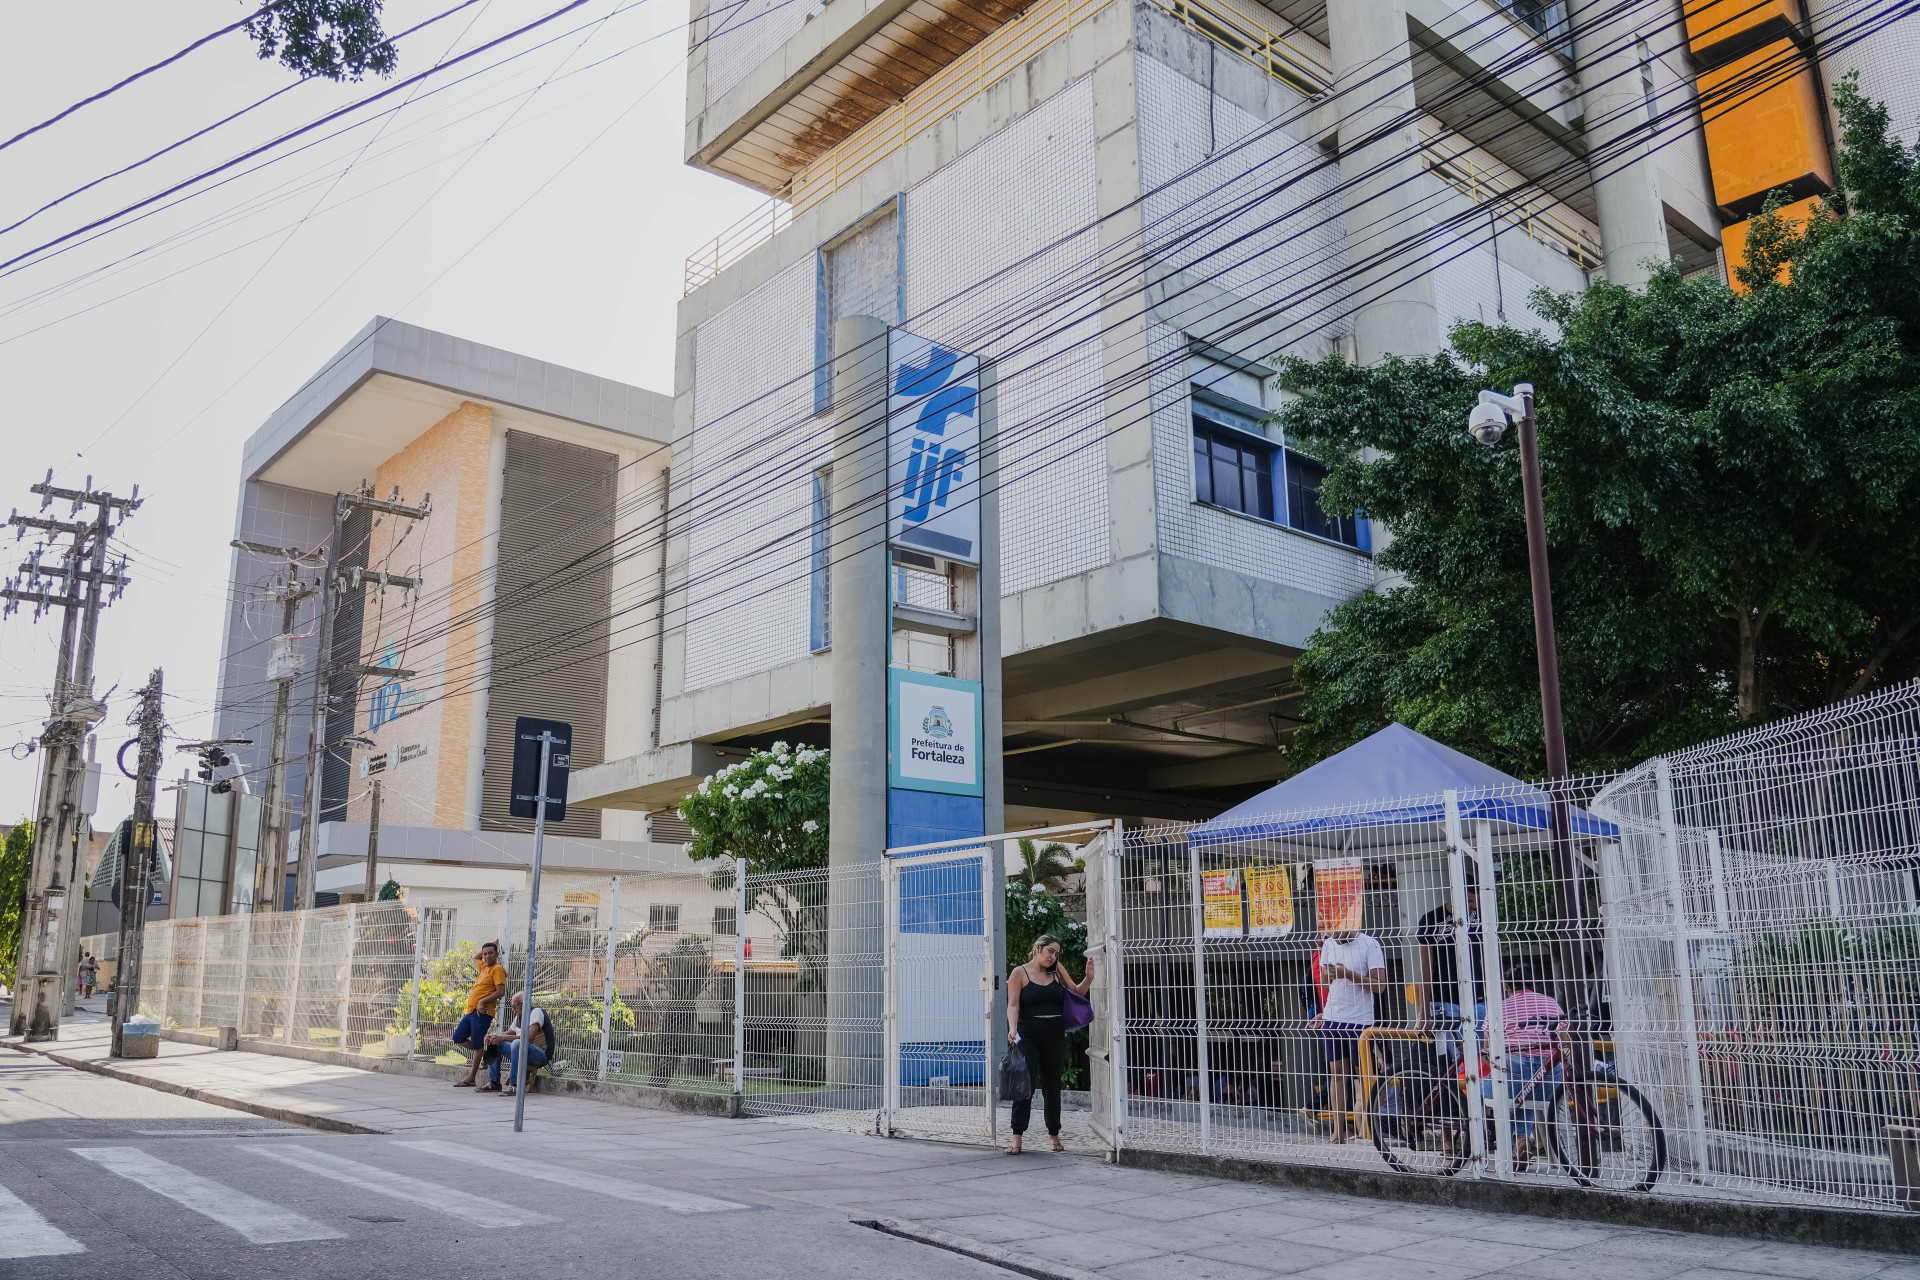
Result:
x=601 y=1184
x=478 y=1210
x=258 y=1221
x=25 y=1234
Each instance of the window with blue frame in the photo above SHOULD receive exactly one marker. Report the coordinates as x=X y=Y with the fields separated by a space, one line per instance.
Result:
x=1304 y=512
x=1232 y=467
x=1235 y=467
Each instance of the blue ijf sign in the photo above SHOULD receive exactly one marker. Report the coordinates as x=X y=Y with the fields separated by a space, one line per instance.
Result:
x=933 y=448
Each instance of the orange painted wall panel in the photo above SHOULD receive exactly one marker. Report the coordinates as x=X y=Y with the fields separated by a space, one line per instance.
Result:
x=1711 y=22
x=1759 y=138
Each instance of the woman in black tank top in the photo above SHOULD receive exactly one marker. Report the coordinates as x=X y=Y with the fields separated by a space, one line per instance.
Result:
x=1036 y=1021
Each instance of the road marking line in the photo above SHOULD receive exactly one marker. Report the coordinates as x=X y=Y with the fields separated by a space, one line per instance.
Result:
x=478 y=1210
x=258 y=1221
x=26 y=1234
x=579 y=1180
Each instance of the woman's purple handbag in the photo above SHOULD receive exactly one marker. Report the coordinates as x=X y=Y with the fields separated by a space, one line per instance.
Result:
x=1079 y=1009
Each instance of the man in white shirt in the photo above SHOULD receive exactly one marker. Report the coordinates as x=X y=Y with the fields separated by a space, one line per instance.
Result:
x=538 y=1029
x=1352 y=968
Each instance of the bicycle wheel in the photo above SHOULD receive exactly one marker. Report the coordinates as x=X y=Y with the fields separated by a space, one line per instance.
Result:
x=1607 y=1135
x=1418 y=1123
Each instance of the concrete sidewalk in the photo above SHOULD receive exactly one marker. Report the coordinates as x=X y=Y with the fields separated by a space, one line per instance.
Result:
x=1042 y=1215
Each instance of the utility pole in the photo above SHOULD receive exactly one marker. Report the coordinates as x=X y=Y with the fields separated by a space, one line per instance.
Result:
x=283 y=668
x=334 y=586
x=373 y=843
x=74 y=585
x=136 y=862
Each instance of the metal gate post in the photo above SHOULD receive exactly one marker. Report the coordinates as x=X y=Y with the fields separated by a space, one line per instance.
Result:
x=740 y=980
x=246 y=974
x=890 y=998
x=1200 y=999
x=1113 y=961
x=413 y=1002
x=293 y=986
x=346 y=979
x=1496 y=1016
x=987 y=994
x=1683 y=966
x=606 y=998
x=1463 y=965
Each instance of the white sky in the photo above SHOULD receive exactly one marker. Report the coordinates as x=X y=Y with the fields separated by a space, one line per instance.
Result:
x=153 y=368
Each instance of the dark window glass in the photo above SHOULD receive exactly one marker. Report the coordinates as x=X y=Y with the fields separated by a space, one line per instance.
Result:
x=1304 y=511
x=1232 y=472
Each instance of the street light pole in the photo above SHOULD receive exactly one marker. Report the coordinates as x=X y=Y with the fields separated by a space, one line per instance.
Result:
x=1488 y=423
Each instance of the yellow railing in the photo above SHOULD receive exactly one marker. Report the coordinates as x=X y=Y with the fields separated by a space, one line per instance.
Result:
x=1537 y=215
x=1278 y=56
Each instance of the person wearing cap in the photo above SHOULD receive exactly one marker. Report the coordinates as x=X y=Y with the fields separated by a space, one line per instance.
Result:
x=1354 y=968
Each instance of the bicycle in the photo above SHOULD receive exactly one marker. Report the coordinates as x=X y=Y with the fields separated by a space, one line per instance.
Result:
x=1602 y=1130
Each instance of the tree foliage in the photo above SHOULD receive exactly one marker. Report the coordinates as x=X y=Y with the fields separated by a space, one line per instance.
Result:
x=1732 y=486
x=770 y=809
x=337 y=39
x=1045 y=866
x=16 y=871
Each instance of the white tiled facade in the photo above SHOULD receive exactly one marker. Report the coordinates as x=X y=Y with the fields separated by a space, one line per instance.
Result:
x=751 y=460
x=988 y=235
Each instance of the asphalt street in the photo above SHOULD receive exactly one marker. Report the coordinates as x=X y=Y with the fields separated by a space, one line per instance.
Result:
x=104 y=1178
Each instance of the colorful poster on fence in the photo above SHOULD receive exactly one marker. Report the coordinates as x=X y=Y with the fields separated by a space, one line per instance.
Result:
x=1337 y=888
x=1225 y=917
x=1269 y=902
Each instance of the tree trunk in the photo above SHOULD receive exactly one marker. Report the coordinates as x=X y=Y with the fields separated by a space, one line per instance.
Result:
x=1748 y=623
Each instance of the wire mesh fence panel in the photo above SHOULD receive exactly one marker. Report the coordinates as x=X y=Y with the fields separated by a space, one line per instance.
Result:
x=269 y=975
x=1764 y=949
x=380 y=969
x=223 y=955
x=156 y=961
x=184 y=975
x=321 y=951
x=814 y=1026
x=1327 y=986
x=938 y=995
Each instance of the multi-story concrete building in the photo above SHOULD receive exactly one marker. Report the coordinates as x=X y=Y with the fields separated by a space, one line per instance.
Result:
x=541 y=484
x=1134 y=207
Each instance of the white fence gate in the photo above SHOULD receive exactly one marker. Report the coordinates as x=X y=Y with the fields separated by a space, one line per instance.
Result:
x=939 y=994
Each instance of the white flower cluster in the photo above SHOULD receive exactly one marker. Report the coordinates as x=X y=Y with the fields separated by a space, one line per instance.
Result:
x=809 y=826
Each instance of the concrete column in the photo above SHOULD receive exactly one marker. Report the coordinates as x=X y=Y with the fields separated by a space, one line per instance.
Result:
x=857 y=838
x=1626 y=183
x=1385 y=185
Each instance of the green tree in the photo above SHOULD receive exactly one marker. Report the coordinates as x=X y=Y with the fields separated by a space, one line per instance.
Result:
x=1045 y=866
x=1732 y=484
x=16 y=871
x=336 y=39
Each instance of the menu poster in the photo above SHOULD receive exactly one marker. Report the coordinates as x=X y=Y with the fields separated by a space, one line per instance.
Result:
x=1338 y=885
x=1225 y=912
x=1269 y=902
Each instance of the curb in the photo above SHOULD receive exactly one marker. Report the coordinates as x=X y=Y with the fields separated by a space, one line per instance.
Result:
x=1792 y=1224
x=978 y=1250
x=285 y=1115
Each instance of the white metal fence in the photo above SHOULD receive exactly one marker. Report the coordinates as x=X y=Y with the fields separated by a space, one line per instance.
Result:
x=1701 y=977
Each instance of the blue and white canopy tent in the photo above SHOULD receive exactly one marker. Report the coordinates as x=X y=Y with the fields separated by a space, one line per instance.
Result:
x=1396 y=778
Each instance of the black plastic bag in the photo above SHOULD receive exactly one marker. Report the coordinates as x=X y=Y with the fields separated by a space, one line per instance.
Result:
x=1016 y=1082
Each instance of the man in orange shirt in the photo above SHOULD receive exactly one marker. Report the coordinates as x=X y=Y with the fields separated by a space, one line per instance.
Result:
x=489 y=983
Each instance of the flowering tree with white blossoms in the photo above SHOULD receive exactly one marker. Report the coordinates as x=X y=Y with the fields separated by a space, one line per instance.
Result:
x=770 y=809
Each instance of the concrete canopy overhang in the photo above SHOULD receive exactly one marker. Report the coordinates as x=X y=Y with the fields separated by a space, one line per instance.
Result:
x=394 y=381
x=879 y=57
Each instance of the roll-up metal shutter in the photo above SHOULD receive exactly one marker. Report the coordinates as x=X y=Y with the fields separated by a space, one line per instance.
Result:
x=552 y=600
